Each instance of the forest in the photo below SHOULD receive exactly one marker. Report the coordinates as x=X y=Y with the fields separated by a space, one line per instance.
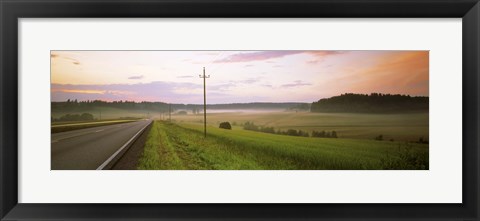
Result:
x=345 y=103
x=373 y=103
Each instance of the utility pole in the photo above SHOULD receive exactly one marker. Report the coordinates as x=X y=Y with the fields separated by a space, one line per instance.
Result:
x=204 y=103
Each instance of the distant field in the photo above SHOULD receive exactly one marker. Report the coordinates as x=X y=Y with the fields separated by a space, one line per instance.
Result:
x=399 y=127
x=173 y=146
x=108 y=113
x=58 y=127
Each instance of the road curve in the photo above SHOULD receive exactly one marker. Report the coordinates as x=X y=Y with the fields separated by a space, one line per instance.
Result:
x=87 y=149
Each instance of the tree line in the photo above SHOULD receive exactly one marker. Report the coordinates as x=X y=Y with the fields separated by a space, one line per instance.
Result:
x=373 y=103
x=289 y=132
x=75 y=105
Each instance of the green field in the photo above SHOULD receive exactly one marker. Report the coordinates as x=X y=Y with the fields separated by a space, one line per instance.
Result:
x=399 y=127
x=181 y=146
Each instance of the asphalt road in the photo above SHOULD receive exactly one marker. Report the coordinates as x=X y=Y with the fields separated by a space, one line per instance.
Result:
x=87 y=149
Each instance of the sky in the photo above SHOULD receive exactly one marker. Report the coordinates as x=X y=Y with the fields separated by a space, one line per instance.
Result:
x=235 y=76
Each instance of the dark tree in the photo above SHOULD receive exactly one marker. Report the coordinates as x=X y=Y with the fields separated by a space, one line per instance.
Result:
x=334 y=134
x=379 y=137
x=292 y=132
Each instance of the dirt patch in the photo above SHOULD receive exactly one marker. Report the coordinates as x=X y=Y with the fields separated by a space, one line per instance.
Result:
x=129 y=160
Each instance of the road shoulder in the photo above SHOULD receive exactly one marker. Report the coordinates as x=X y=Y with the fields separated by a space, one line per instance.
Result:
x=130 y=158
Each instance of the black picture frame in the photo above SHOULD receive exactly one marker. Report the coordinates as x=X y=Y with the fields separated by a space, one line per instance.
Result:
x=12 y=10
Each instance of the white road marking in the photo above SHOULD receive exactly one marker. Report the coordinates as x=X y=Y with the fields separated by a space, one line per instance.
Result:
x=99 y=130
x=104 y=164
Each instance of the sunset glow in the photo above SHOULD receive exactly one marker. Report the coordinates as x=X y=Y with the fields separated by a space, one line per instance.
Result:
x=235 y=76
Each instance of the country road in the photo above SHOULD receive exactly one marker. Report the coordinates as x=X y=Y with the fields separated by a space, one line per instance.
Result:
x=88 y=149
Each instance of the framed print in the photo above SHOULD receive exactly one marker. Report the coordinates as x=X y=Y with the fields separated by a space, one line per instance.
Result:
x=252 y=129
x=321 y=110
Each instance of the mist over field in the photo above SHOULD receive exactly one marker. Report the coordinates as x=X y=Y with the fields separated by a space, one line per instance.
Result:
x=401 y=125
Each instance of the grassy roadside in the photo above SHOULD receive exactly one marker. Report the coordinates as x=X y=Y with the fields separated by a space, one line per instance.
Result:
x=68 y=126
x=175 y=147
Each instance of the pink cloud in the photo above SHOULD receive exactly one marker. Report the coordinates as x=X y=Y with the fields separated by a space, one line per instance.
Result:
x=256 y=56
x=324 y=53
x=153 y=91
x=266 y=55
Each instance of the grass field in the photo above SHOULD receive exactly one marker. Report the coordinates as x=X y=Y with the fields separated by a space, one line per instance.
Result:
x=399 y=127
x=177 y=146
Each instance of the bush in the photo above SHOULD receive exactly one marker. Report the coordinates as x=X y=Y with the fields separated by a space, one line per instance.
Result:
x=86 y=116
x=250 y=126
x=379 y=137
x=334 y=134
x=225 y=125
x=324 y=134
x=303 y=133
x=269 y=130
x=292 y=132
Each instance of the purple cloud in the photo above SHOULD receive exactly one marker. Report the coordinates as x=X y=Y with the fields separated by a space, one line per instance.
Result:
x=137 y=77
x=295 y=84
x=248 y=81
x=221 y=87
x=185 y=76
x=226 y=86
